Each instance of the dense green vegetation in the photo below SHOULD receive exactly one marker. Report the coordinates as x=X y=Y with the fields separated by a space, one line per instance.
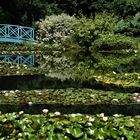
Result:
x=72 y=126
x=32 y=10
x=83 y=56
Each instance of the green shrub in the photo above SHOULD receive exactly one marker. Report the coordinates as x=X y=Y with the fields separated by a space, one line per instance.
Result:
x=122 y=27
x=85 y=32
x=129 y=27
x=55 y=29
x=104 y=22
x=125 y=8
x=113 y=42
x=88 y=30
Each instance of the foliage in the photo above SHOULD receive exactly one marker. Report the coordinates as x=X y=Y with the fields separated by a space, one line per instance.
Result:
x=129 y=27
x=88 y=30
x=8 y=68
x=104 y=22
x=125 y=8
x=55 y=29
x=69 y=96
x=85 y=32
x=32 y=10
x=72 y=126
x=113 y=42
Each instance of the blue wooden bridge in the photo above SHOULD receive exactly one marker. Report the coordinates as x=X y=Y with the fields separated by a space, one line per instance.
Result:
x=16 y=34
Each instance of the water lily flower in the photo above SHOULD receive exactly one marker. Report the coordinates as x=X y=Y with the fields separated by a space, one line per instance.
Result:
x=92 y=95
x=89 y=124
x=21 y=112
x=122 y=138
x=138 y=100
x=30 y=103
x=17 y=72
x=114 y=72
x=39 y=93
x=11 y=91
x=87 y=116
x=20 y=134
x=6 y=94
x=116 y=115
x=101 y=115
x=4 y=91
x=91 y=119
x=105 y=119
x=134 y=98
x=125 y=74
x=45 y=111
x=115 y=100
x=57 y=113
x=11 y=67
x=136 y=94
x=17 y=91
x=73 y=115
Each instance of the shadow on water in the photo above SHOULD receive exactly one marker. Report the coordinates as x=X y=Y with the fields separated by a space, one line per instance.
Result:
x=31 y=82
x=132 y=109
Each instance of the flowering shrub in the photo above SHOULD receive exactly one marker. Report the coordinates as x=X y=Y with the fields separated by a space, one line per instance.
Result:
x=55 y=29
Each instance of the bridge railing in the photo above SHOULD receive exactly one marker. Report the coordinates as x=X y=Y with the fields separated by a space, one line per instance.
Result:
x=15 y=33
x=28 y=60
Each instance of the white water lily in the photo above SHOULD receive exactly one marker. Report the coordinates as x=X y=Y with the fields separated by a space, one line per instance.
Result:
x=30 y=103
x=39 y=93
x=11 y=91
x=115 y=100
x=17 y=72
x=136 y=94
x=92 y=95
x=134 y=98
x=4 y=91
x=89 y=124
x=116 y=115
x=57 y=113
x=21 y=113
x=45 y=111
x=19 y=134
x=125 y=74
x=91 y=119
x=11 y=67
x=105 y=119
x=6 y=94
x=138 y=100
x=114 y=72
x=73 y=115
x=101 y=115
x=87 y=116
x=17 y=91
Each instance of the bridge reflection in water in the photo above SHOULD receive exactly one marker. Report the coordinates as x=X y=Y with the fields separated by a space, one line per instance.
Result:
x=16 y=34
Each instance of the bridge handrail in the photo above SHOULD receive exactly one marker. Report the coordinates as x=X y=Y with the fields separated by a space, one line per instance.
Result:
x=16 y=32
